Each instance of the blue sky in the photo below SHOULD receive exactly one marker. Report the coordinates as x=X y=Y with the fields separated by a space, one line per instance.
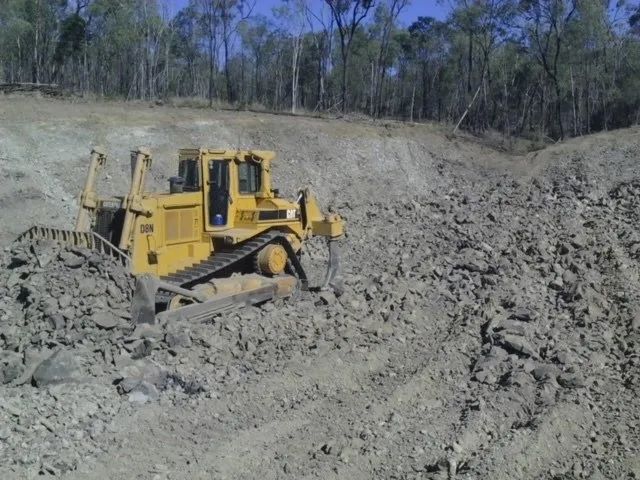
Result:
x=417 y=8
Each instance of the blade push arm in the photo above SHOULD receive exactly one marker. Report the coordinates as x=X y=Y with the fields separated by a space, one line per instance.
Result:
x=132 y=203
x=88 y=199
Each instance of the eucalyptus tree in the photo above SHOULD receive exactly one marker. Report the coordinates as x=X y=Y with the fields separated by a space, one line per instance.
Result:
x=348 y=15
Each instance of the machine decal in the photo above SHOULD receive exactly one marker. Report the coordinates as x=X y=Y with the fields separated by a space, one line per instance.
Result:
x=247 y=216
x=289 y=214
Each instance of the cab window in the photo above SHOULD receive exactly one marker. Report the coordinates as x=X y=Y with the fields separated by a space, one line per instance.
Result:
x=218 y=192
x=249 y=177
x=189 y=171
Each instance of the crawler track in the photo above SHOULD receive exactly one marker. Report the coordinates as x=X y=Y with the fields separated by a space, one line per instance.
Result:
x=221 y=260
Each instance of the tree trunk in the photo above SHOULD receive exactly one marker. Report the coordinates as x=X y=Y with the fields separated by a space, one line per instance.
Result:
x=372 y=92
x=227 y=71
x=36 y=29
x=211 y=58
x=573 y=104
x=559 y=110
x=469 y=61
x=413 y=101
x=345 y=56
x=295 y=71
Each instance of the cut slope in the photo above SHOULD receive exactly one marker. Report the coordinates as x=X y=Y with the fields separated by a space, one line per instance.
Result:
x=45 y=144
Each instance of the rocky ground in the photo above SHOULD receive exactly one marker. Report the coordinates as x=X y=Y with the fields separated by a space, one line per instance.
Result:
x=489 y=328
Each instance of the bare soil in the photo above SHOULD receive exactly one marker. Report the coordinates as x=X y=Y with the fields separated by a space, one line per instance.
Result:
x=490 y=325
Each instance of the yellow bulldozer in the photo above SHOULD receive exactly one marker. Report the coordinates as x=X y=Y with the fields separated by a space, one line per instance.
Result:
x=221 y=236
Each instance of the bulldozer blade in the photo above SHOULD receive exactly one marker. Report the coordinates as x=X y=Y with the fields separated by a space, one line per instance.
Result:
x=205 y=310
x=232 y=293
x=143 y=303
x=333 y=278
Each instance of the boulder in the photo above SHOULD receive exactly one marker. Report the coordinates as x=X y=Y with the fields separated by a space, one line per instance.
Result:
x=518 y=345
x=105 y=319
x=61 y=367
x=71 y=260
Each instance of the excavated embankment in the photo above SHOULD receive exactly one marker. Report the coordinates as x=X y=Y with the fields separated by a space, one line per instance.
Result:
x=489 y=328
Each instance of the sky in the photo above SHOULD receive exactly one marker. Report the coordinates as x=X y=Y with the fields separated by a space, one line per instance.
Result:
x=417 y=8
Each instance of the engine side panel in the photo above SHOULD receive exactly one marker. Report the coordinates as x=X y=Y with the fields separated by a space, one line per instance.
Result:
x=172 y=237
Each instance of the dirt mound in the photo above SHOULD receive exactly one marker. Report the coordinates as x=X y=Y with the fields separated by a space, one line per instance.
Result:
x=489 y=328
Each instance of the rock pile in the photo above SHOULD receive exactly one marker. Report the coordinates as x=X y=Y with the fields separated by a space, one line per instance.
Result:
x=57 y=300
x=472 y=318
x=546 y=279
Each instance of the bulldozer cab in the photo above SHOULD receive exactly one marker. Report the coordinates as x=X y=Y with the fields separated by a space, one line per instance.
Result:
x=230 y=181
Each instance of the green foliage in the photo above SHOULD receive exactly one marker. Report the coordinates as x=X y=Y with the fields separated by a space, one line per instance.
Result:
x=73 y=31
